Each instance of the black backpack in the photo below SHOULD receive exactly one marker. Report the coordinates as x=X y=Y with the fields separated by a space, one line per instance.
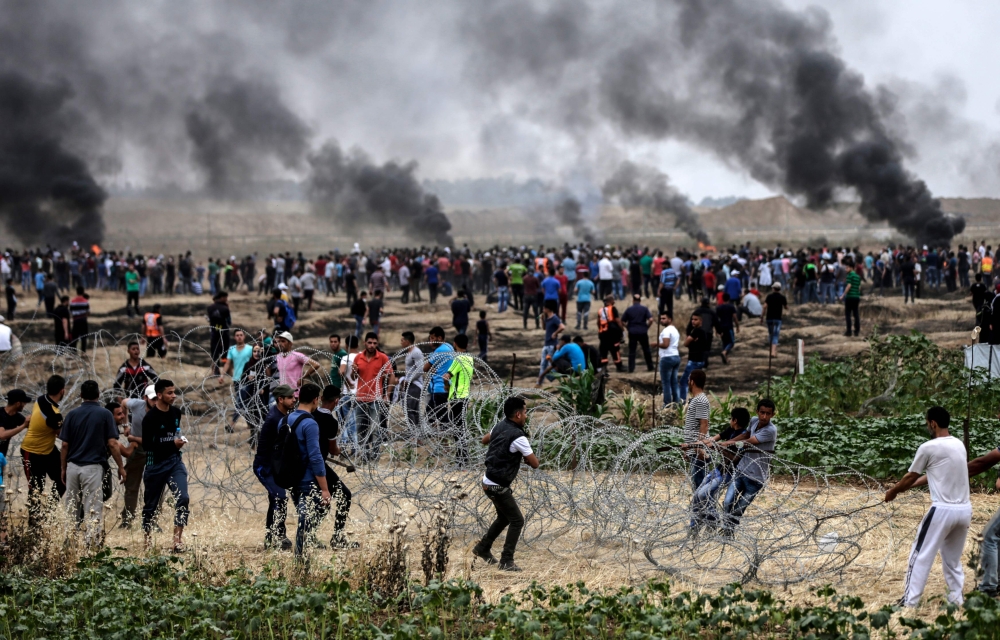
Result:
x=287 y=465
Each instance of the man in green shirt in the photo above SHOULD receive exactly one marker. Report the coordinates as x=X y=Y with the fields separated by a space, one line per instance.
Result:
x=516 y=272
x=646 y=266
x=132 y=290
x=458 y=382
x=337 y=355
x=852 y=298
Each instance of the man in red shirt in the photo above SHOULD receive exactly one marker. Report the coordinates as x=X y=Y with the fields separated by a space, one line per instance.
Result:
x=375 y=381
x=563 y=291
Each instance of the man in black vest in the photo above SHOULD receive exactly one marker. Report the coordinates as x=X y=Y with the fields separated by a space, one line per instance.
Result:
x=508 y=446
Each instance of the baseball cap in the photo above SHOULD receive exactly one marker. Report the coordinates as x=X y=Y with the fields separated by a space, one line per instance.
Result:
x=150 y=391
x=287 y=336
x=282 y=286
x=776 y=285
x=283 y=391
x=17 y=395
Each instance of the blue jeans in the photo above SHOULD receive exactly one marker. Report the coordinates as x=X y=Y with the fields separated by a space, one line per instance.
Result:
x=503 y=297
x=618 y=290
x=668 y=379
x=810 y=291
x=170 y=473
x=546 y=351
x=932 y=277
x=739 y=496
x=359 y=325
x=683 y=384
x=703 y=501
x=696 y=472
x=988 y=555
x=826 y=292
x=308 y=502
x=773 y=330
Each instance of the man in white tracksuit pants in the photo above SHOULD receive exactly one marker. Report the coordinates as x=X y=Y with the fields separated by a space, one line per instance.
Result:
x=946 y=524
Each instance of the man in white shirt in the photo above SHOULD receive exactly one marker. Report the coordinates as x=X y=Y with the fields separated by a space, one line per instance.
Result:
x=670 y=359
x=946 y=525
x=605 y=276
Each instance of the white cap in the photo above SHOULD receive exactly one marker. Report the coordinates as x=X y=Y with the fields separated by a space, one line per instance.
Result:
x=287 y=336
x=150 y=391
x=776 y=285
x=2 y=319
x=282 y=286
x=734 y=272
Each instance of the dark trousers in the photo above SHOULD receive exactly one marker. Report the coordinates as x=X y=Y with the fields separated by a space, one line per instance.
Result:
x=405 y=298
x=309 y=503
x=352 y=295
x=415 y=288
x=608 y=346
x=604 y=288
x=517 y=292
x=667 y=301
x=133 y=480
x=277 y=506
x=219 y=346
x=635 y=339
x=341 y=497
x=11 y=306
x=532 y=306
x=508 y=517
x=155 y=347
x=131 y=301
x=36 y=468
x=170 y=473
x=432 y=291
x=437 y=407
x=79 y=333
x=851 y=306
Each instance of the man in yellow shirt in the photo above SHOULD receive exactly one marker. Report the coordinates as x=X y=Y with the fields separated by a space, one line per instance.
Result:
x=458 y=381
x=38 y=449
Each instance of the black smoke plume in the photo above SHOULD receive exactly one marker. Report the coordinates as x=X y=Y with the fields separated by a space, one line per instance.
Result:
x=237 y=127
x=357 y=192
x=638 y=187
x=47 y=194
x=752 y=81
x=569 y=211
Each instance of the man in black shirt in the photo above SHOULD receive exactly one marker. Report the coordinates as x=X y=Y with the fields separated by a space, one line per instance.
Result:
x=709 y=324
x=359 y=308
x=61 y=317
x=703 y=502
x=351 y=286
x=908 y=275
x=277 y=498
x=978 y=291
x=11 y=295
x=460 y=308
x=11 y=420
x=135 y=374
x=729 y=325
x=774 y=304
x=162 y=440
x=637 y=319
x=329 y=429
x=219 y=321
x=697 y=346
x=375 y=310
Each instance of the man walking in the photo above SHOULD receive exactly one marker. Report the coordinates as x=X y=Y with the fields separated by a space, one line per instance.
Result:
x=329 y=430
x=440 y=361
x=508 y=446
x=774 y=304
x=284 y=403
x=162 y=440
x=312 y=494
x=609 y=333
x=637 y=320
x=412 y=382
x=946 y=524
x=696 y=416
x=88 y=433
x=136 y=462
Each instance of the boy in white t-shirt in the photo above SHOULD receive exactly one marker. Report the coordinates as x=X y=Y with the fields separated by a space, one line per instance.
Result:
x=946 y=524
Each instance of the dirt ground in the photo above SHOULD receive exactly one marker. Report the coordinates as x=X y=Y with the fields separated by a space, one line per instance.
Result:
x=226 y=537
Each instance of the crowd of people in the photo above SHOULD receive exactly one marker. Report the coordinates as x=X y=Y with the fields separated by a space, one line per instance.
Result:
x=322 y=425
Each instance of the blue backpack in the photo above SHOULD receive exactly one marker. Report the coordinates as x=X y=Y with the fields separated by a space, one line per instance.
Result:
x=290 y=317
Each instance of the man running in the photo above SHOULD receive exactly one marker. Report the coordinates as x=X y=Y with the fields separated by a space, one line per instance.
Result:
x=946 y=525
x=277 y=499
x=329 y=430
x=508 y=446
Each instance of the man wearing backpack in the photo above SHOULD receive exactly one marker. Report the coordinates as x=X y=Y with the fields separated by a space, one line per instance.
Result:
x=311 y=494
x=284 y=403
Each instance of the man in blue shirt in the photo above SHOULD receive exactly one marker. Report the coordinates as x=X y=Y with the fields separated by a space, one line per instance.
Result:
x=668 y=282
x=550 y=289
x=553 y=327
x=733 y=286
x=312 y=495
x=567 y=359
x=431 y=274
x=584 y=296
x=439 y=361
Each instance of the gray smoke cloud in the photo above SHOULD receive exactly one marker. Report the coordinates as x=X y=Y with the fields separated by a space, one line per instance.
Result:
x=569 y=211
x=47 y=194
x=237 y=128
x=357 y=192
x=218 y=93
x=639 y=187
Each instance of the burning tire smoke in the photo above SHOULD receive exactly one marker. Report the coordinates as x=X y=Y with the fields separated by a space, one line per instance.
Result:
x=47 y=194
x=636 y=187
x=569 y=213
